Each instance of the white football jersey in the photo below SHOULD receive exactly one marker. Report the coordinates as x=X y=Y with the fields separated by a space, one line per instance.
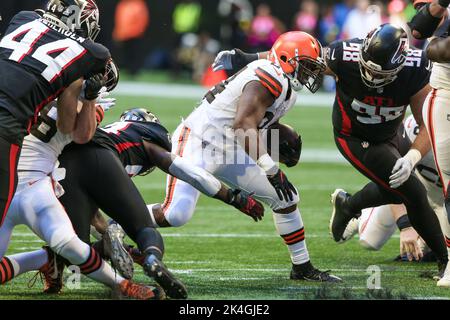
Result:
x=219 y=106
x=42 y=147
x=440 y=76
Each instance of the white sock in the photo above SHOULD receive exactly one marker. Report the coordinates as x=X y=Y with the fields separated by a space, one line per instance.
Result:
x=26 y=261
x=90 y=263
x=290 y=228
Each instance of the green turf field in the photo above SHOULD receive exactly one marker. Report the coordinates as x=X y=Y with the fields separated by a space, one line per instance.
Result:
x=222 y=254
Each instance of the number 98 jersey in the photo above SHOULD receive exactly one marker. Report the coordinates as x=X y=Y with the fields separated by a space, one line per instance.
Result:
x=38 y=61
x=373 y=115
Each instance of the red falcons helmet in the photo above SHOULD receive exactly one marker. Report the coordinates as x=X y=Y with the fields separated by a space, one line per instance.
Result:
x=79 y=16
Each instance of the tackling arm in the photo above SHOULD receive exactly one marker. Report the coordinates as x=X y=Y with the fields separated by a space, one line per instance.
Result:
x=420 y=147
x=68 y=107
x=202 y=181
x=422 y=142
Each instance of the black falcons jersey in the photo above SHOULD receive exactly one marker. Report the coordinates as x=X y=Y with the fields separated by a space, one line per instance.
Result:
x=372 y=114
x=38 y=61
x=127 y=137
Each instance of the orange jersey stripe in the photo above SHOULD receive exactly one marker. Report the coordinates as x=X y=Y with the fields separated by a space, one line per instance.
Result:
x=268 y=81
x=182 y=141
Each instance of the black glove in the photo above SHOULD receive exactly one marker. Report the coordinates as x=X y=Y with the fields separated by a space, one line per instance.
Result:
x=93 y=85
x=444 y=3
x=246 y=204
x=240 y=59
x=282 y=186
x=290 y=155
x=424 y=22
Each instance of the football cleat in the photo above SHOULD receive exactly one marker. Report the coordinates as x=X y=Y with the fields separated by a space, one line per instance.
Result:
x=444 y=280
x=132 y=290
x=51 y=273
x=115 y=250
x=341 y=215
x=313 y=274
x=351 y=230
x=155 y=269
x=136 y=255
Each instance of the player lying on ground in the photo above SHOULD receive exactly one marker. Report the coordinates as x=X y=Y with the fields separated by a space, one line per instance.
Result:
x=222 y=136
x=370 y=104
x=36 y=205
x=133 y=146
x=376 y=225
x=42 y=58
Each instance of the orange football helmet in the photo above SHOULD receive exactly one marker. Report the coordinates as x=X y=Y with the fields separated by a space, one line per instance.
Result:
x=300 y=56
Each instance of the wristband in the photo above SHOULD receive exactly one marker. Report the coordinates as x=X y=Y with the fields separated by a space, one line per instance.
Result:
x=403 y=222
x=267 y=164
x=414 y=156
x=444 y=3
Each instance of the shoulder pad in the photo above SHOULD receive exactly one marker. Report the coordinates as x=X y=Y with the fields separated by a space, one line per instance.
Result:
x=271 y=77
x=26 y=16
x=98 y=50
x=156 y=133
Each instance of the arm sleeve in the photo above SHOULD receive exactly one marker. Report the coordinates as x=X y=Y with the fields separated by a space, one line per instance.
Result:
x=200 y=179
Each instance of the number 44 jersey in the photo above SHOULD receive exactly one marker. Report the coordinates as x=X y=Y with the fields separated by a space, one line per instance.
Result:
x=38 y=61
x=372 y=114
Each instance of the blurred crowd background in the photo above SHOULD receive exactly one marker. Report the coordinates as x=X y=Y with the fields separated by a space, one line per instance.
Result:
x=183 y=36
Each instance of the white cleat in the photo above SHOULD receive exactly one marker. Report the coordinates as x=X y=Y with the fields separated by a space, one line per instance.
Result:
x=445 y=279
x=351 y=230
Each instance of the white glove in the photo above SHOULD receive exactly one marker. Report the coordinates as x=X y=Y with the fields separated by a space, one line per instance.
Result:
x=223 y=60
x=403 y=167
x=104 y=102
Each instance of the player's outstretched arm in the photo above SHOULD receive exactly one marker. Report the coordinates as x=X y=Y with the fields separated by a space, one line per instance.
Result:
x=236 y=59
x=438 y=50
x=420 y=147
x=203 y=181
x=409 y=244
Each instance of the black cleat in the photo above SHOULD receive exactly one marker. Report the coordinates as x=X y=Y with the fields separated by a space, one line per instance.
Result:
x=313 y=274
x=114 y=249
x=341 y=215
x=155 y=269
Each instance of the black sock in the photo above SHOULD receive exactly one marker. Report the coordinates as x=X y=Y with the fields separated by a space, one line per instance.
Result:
x=369 y=197
x=149 y=241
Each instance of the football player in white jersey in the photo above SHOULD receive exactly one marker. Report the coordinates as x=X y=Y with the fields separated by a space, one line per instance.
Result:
x=435 y=111
x=376 y=225
x=222 y=136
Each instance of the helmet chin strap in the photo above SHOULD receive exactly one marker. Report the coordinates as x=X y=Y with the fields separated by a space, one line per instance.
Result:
x=295 y=84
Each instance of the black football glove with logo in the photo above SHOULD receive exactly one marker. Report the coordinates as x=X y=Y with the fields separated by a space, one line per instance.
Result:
x=92 y=86
x=283 y=187
x=246 y=204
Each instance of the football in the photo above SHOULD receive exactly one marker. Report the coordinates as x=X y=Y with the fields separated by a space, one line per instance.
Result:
x=289 y=144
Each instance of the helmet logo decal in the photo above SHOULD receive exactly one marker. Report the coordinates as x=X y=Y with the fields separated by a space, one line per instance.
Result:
x=400 y=54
